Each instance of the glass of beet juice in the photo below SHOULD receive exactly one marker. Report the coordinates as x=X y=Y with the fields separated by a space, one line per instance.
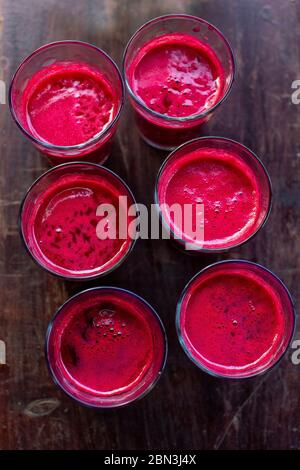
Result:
x=66 y=97
x=235 y=319
x=178 y=69
x=59 y=220
x=106 y=347
x=223 y=177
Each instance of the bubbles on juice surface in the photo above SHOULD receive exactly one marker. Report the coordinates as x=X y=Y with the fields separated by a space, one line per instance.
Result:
x=110 y=323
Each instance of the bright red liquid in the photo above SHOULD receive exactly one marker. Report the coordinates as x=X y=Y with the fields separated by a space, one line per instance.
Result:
x=224 y=184
x=107 y=345
x=233 y=321
x=68 y=103
x=103 y=336
x=175 y=75
x=61 y=228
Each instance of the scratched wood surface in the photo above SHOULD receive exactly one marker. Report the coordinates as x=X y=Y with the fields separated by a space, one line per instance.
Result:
x=187 y=409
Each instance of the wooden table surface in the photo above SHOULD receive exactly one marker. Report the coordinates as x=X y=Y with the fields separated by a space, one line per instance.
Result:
x=188 y=409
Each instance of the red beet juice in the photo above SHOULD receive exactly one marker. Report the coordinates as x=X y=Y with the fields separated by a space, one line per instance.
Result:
x=106 y=347
x=68 y=106
x=235 y=319
x=227 y=179
x=176 y=78
x=67 y=103
x=59 y=220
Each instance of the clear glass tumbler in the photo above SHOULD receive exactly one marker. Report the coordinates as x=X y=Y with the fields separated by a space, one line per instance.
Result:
x=60 y=60
x=235 y=319
x=106 y=347
x=75 y=223
x=227 y=187
x=160 y=129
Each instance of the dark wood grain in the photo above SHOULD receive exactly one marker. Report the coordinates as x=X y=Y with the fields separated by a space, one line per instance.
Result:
x=187 y=409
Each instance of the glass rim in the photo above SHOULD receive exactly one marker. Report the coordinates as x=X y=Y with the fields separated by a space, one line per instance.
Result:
x=156 y=317
x=48 y=270
x=235 y=143
x=92 y=140
x=183 y=342
x=193 y=117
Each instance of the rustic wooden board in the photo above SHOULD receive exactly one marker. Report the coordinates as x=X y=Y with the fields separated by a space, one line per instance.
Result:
x=187 y=409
